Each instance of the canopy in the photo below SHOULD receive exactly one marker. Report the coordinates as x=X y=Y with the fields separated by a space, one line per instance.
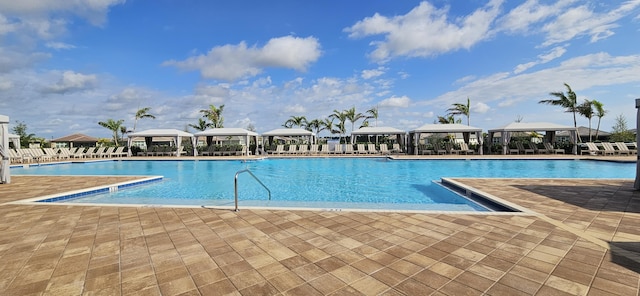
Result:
x=368 y=130
x=466 y=130
x=227 y=132
x=151 y=133
x=549 y=128
x=5 y=177
x=76 y=139
x=290 y=132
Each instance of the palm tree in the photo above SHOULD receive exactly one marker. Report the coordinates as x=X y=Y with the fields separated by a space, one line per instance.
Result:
x=142 y=113
x=600 y=112
x=340 y=126
x=201 y=125
x=353 y=117
x=460 y=109
x=373 y=114
x=293 y=121
x=448 y=120
x=586 y=109
x=568 y=101
x=114 y=126
x=214 y=114
x=123 y=131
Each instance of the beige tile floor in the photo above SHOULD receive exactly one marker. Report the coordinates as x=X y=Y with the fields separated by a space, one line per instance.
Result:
x=583 y=238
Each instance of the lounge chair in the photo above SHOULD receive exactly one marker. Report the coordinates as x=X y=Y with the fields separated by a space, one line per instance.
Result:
x=337 y=149
x=348 y=149
x=324 y=149
x=384 y=149
x=396 y=149
x=293 y=149
x=442 y=149
x=97 y=152
x=550 y=149
x=313 y=149
x=108 y=152
x=360 y=149
x=119 y=152
x=592 y=149
x=524 y=150
x=464 y=148
x=371 y=148
x=303 y=149
x=14 y=157
x=608 y=149
x=52 y=153
x=623 y=149
x=535 y=148
x=25 y=154
x=423 y=149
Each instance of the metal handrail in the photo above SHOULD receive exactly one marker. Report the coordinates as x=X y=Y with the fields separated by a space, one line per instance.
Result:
x=235 y=182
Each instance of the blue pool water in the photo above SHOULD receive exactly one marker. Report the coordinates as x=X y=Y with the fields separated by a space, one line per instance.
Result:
x=377 y=183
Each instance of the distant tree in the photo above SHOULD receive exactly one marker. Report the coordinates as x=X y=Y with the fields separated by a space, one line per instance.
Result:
x=586 y=109
x=113 y=126
x=142 y=113
x=251 y=127
x=620 y=132
x=20 y=129
x=460 y=109
x=568 y=101
x=340 y=127
x=123 y=131
x=201 y=125
x=600 y=112
x=296 y=121
x=353 y=117
x=372 y=114
x=214 y=115
x=449 y=119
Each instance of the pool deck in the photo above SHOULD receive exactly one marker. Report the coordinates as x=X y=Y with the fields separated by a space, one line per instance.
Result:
x=582 y=237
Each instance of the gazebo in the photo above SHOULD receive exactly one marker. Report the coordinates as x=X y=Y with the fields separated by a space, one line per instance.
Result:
x=290 y=132
x=243 y=134
x=452 y=128
x=75 y=140
x=550 y=130
x=15 y=140
x=401 y=135
x=177 y=135
x=5 y=177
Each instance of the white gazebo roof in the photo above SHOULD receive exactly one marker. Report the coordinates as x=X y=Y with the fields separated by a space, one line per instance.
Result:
x=225 y=132
x=288 y=132
x=369 y=130
x=532 y=127
x=160 y=133
x=446 y=128
x=13 y=136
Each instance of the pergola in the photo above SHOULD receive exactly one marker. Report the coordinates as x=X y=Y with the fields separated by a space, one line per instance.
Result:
x=148 y=136
x=550 y=130
x=452 y=128
x=15 y=140
x=228 y=132
x=382 y=131
x=290 y=132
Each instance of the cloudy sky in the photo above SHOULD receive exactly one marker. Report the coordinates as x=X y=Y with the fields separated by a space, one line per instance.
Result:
x=66 y=65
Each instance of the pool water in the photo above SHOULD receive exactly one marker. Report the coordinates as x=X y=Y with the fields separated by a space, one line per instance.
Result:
x=376 y=183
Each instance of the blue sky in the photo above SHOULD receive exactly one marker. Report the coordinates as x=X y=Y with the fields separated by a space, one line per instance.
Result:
x=66 y=65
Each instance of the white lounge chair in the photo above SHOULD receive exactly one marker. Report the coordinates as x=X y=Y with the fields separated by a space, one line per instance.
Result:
x=384 y=149
x=324 y=149
x=371 y=148
x=337 y=149
x=348 y=149
x=608 y=149
x=464 y=148
x=524 y=150
x=550 y=149
x=360 y=149
x=313 y=149
x=623 y=149
x=396 y=149
x=303 y=149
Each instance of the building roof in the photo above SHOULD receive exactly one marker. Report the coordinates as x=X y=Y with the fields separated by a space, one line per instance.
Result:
x=76 y=138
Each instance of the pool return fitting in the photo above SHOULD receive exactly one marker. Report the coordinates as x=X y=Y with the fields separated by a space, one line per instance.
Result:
x=235 y=183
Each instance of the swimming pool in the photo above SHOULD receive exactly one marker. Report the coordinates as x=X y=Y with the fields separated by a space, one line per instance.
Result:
x=372 y=183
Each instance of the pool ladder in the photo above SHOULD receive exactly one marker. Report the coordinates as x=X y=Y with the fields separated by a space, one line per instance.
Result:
x=235 y=182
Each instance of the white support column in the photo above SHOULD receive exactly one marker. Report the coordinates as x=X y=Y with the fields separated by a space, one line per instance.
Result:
x=636 y=185
x=5 y=176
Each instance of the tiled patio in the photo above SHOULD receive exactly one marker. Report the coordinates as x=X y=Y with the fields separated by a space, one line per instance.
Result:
x=584 y=240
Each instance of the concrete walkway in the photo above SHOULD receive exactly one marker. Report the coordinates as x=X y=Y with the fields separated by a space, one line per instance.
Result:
x=582 y=238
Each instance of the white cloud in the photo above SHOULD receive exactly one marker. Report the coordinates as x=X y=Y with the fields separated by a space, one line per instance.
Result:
x=529 y=13
x=402 y=102
x=295 y=109
x=372 y=73
x=232 y=62
x=480 y=107
x=425 y=31
x=553 y=54
x=93 y=10
x=72 y=82
x=59 y=45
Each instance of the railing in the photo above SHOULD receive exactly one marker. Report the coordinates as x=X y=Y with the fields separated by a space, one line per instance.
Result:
x=236 y=185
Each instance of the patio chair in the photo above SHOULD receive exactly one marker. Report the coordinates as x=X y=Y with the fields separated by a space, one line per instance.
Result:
x=464 y=148
x=442 y=149
x=14 y=157
x=348 y=149
x=303 y=149
x=592 y=149
x=324 y=149
x=119 y=152
x=371 y=148
x=396 y=149
x=608 y=149
x=279 y=149
x=524 y=150
x=97 y=153
x=337 y=149
x=313 y=149
x=384 y=149
x=535 y=148
x=550 y=149
x=52 y=153
x=623 y=149
x=293 y=149
x=360 y=149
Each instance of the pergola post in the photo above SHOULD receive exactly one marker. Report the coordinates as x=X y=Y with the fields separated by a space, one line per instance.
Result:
x=636 y=185
x=5 y=176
